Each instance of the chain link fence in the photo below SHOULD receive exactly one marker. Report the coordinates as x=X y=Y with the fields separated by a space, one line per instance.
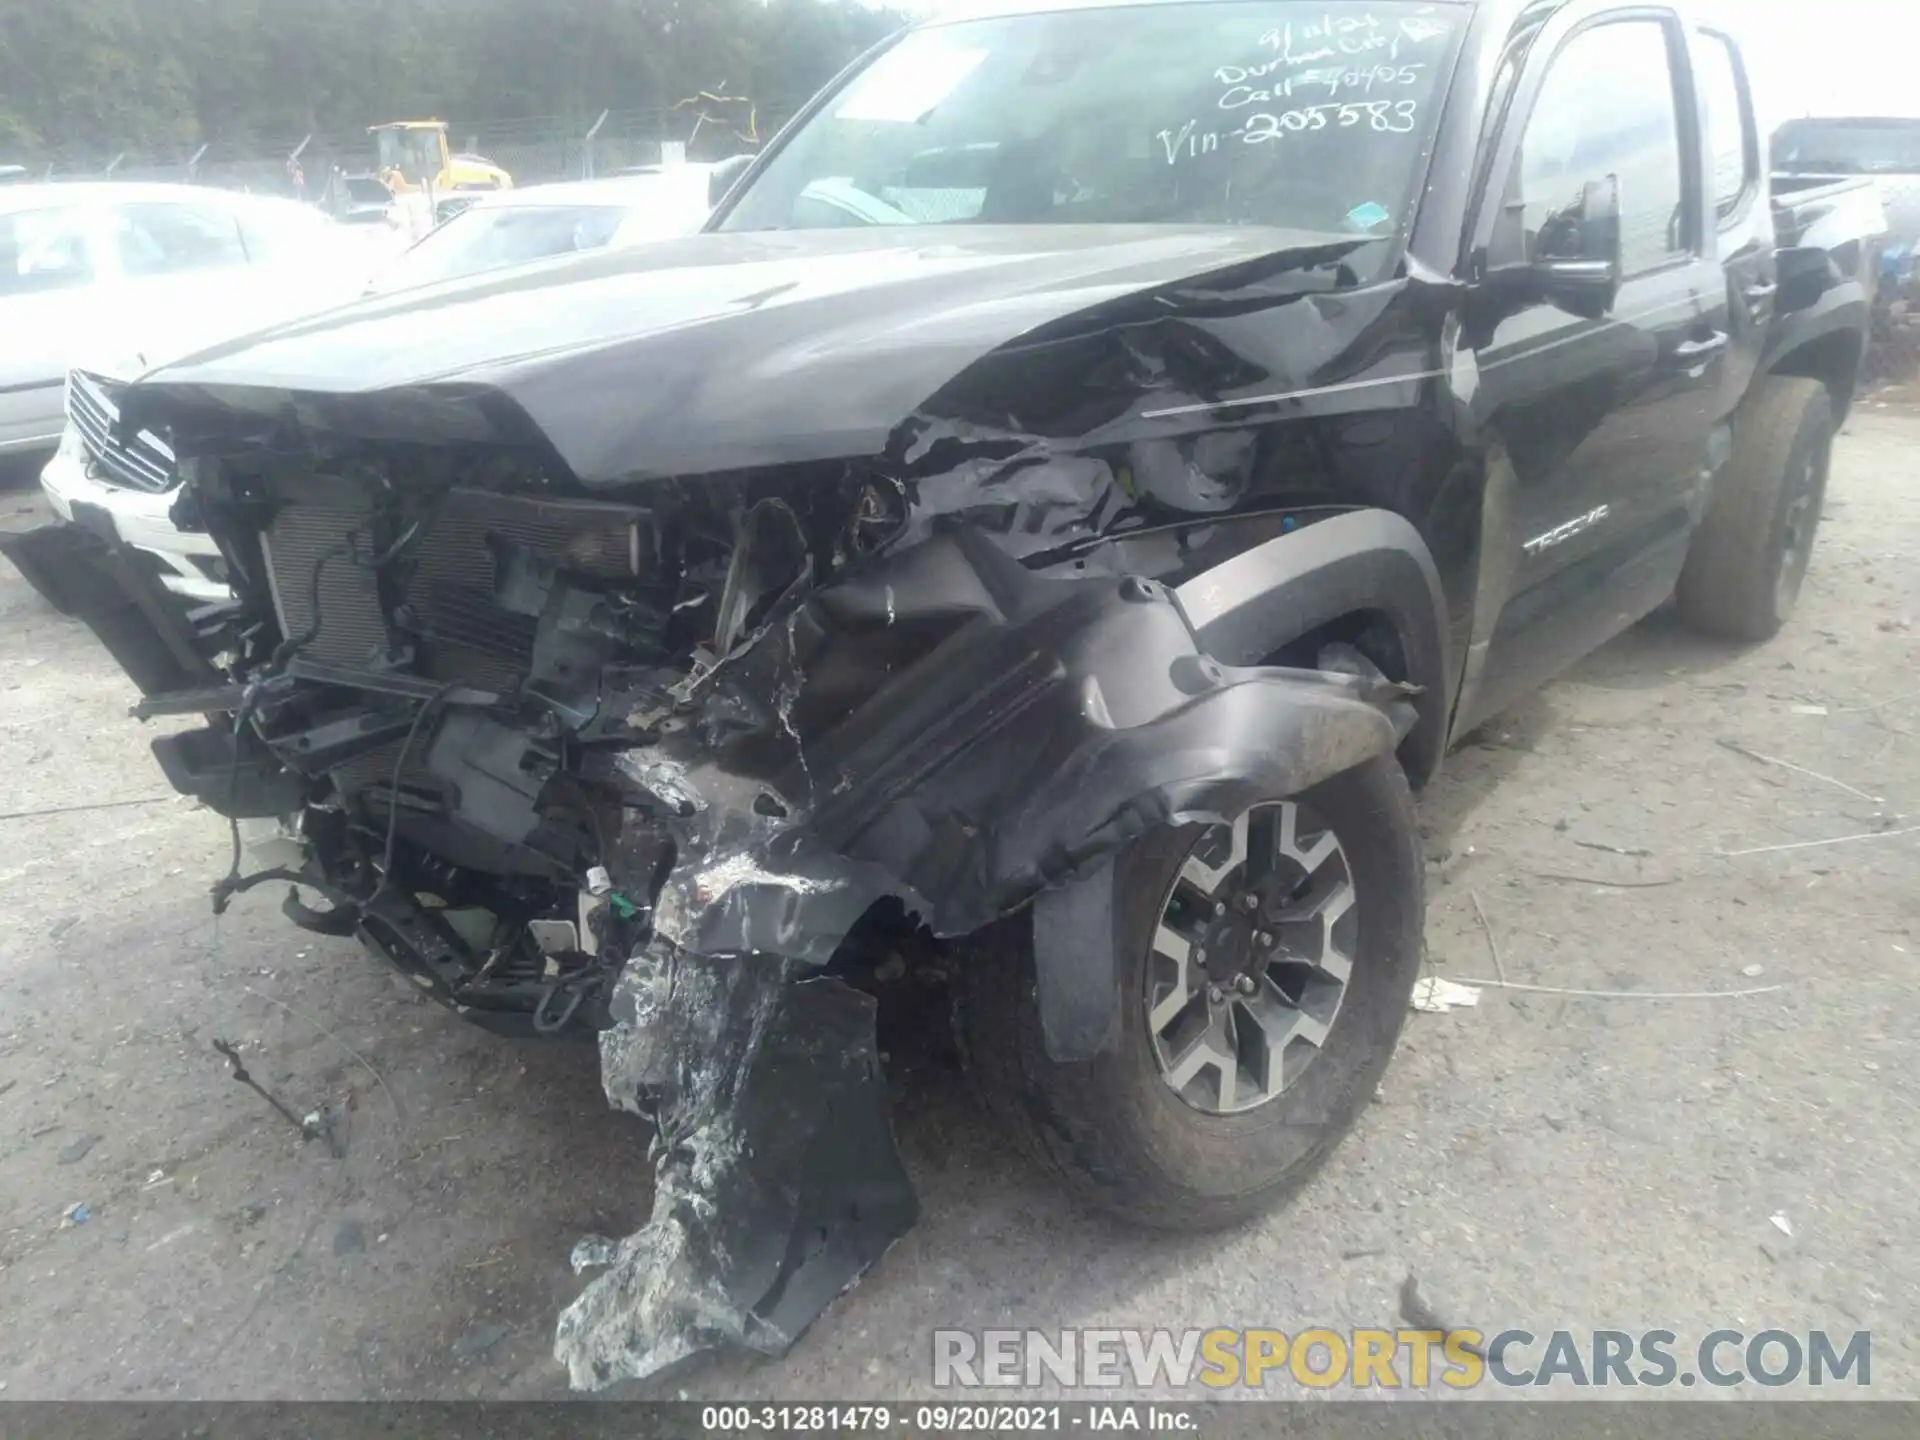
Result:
x=533 y=150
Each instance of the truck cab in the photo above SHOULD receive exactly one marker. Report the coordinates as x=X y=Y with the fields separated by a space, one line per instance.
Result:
x=1610 y=403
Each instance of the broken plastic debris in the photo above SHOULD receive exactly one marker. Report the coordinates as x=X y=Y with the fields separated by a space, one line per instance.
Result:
x=77 y=1213
x=1809 y=709
x=664 y=779
x=1753 y=972
x=777 y=1184
x=1782 y=1224
x=1437 y=997
x=715 y=882
x=592 y=1252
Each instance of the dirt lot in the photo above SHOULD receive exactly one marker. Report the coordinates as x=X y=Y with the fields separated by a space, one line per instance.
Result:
x=1541 y=1160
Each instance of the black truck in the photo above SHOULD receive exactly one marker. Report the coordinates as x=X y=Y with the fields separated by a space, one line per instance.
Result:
x=1093 y=465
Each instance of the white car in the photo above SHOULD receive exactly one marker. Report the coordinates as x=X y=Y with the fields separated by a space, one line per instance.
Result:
x=104 y=269
x=299 y=262
x=125 y=484
x=127 y=488
x=543 y=222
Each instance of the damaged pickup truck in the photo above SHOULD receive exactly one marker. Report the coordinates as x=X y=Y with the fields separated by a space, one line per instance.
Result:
x=1092 y=466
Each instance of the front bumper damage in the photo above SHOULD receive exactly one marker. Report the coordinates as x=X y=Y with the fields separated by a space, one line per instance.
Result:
x=672 y=844
x=1063 y=721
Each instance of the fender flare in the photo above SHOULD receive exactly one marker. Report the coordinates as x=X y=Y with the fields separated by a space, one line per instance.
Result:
x=1839 y=315
x=1275 y=733
x=1246 y=609
x=1012 y=763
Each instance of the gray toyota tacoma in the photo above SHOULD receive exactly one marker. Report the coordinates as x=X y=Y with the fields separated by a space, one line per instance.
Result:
x=1095 y=462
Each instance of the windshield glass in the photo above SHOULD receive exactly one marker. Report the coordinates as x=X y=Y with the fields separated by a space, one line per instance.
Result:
x=490 y=237
x=1308 y=116
x=1838 y=147
x=415 y=153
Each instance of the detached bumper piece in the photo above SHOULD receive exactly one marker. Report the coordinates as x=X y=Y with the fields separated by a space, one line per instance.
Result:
x=83 y=571
x=777 y=1183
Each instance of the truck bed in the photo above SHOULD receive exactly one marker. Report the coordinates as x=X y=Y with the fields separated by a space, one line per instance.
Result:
x=1822 y=211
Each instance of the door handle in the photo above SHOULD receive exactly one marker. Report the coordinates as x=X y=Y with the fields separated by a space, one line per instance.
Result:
x=1692 y=350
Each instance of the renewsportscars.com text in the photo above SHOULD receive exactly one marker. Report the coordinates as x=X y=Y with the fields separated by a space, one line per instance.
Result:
x=1324 y=1359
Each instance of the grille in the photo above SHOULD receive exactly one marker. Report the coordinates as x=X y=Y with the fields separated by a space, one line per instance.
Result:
x=141 y=462
x=451 y=585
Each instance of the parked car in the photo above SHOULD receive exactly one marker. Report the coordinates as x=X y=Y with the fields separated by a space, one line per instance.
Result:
x=1886 y=149
x=125 y=485
x=656 y=641
x=362 y=200
x=512 y=227
x=93 y=269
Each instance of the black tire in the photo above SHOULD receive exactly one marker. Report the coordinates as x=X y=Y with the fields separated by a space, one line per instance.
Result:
x=1748 y=559
x=1111 y=1129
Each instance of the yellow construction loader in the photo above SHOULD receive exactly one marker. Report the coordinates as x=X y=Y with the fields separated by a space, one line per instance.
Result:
x=414 y=156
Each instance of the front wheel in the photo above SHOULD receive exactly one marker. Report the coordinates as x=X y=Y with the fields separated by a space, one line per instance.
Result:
x=1264 y=971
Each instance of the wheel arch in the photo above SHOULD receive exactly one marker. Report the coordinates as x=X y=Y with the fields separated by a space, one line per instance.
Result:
x=1366 y=578
x=1834 y=358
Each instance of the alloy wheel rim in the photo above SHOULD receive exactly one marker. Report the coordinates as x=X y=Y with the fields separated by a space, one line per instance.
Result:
x=1251 y=958
x=1797 y=532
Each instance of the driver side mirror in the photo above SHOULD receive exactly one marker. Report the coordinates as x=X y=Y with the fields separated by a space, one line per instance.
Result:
x=1574 y=261
x=724 y=176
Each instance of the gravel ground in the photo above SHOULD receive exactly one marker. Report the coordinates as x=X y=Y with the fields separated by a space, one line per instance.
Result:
x=1541 y=1160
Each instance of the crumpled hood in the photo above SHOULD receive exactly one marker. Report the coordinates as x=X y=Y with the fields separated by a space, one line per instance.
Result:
x=148 y=341
x=707 y=353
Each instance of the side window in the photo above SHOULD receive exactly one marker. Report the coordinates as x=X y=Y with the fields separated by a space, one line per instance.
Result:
x=1730 y=130
x=167 y=238
x=44 y=250
x=1606 y=108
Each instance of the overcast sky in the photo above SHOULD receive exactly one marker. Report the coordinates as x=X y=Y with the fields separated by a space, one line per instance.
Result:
x=1821 y=57
x=1834 y=57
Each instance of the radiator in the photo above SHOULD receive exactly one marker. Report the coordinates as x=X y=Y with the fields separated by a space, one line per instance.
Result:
x=450 y=587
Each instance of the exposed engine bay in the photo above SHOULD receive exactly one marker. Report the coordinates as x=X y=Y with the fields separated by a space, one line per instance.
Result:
x=574 y=764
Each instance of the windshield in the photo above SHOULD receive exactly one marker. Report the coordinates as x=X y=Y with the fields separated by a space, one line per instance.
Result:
x=490 y=237
x=1843 y=147
x=414 y=153
x=1307 y=116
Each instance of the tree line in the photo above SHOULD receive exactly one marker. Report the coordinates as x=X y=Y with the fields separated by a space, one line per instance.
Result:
x=159 y=77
